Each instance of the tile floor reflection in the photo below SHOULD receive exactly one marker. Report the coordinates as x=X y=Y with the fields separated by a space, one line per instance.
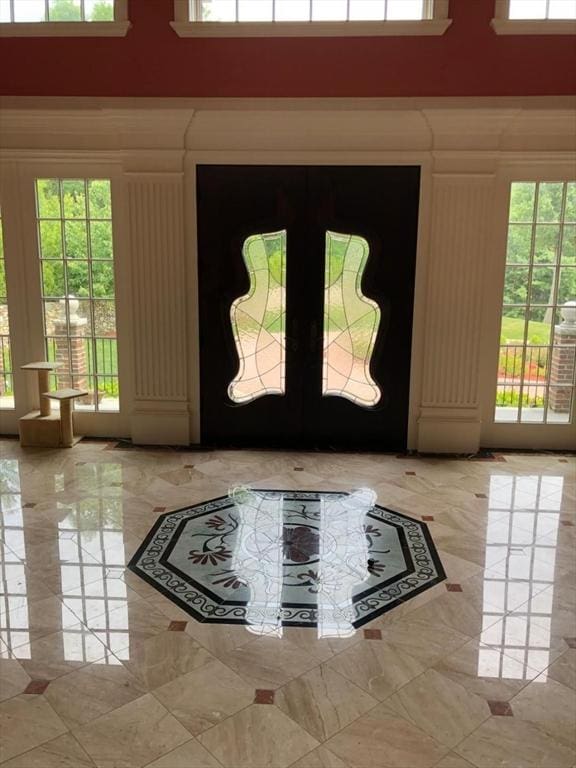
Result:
x=97 y=668
x=270 y=559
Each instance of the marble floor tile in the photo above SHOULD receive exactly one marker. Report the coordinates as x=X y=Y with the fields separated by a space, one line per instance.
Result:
x=380 y=668
x=323 y=702
x=26 y=721
x=42 y=618
x=59 y=653
x=453 y=761
x=206 y=696
x=13 y=678
x=219 y=639
x=258 y=737
x=425 y=642
x=440 y=707
x=190 y=755
x=549 y=702
x=486 y=672
x=269 y=662
x=509 y=742
x=422 y=690
x=563 y=669
x=312 y=640
x=91 y=691
x=384 y=739
x=62 y=752
x=320 y=758
x=132 y=735
x=164 y=657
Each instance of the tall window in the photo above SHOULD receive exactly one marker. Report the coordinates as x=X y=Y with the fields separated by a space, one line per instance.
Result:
x=56 y=10
x=76 y=258
x=542 y=9
x=538 y=331
x=6 y=380
x=309 y=10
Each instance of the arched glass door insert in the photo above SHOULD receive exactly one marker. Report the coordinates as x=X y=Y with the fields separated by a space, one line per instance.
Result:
x=351 y=322
x=258 y=320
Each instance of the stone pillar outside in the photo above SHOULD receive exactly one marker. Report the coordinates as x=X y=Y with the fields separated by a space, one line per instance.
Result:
x=76 y=361
x=563 y=359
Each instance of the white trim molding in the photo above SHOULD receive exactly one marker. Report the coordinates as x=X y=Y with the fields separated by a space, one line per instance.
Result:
x=117 y=28
x=502 y=24
x=466 y=149
x=435 y=24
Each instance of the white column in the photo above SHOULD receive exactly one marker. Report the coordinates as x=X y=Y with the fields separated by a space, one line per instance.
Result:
x=158 y=281
x=461 y=222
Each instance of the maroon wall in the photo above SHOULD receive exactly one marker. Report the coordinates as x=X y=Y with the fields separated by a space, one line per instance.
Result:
x=469 y=60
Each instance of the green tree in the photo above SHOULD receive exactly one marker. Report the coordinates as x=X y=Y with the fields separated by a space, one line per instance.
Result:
x=538 y=227
x=69 y=10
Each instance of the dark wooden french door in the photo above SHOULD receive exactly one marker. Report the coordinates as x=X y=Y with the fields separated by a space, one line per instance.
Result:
x=306 y=283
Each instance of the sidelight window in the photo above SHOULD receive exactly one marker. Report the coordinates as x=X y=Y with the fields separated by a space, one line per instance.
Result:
x=6 y=380
x=78 y=293
x=538 y=331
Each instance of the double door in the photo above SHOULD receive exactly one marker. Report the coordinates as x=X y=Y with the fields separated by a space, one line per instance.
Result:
x=306 y=285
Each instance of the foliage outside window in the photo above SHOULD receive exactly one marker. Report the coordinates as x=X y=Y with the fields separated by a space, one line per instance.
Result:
x=78 y=296
x=536 y=362
x=6 y=380
x=56 y=10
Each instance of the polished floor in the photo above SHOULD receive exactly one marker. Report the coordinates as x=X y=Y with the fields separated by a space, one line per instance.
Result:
x=278 y=558
x=98 y=668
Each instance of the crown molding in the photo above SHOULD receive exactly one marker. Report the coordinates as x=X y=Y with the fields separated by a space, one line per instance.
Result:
x=169 y=127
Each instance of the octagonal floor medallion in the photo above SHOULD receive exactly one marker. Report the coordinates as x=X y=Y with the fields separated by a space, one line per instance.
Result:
x=292 y=558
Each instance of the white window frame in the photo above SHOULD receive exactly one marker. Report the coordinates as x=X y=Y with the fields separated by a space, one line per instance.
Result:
x=436 y=23
x=502 y=434
x=503 y=25
x=117 y=28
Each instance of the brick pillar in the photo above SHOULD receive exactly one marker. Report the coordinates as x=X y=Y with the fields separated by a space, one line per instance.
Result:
x=563 y=359
x=78 y=361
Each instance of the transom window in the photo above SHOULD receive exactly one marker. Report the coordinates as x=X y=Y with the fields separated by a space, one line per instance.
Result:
x=6 y=380
x=34 y=11
x=538 y=332
x=542 y=9
x=309 y=10
x=78 y=297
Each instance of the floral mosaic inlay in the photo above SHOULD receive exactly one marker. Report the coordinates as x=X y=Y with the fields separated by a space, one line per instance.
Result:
x=300 y=558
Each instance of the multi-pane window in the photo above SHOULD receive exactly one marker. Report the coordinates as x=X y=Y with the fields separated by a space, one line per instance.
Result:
x=538 y=332
x=309 y=10
x=56 y=10
x=77 y=277
x=542 y=9
x=6 y=380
